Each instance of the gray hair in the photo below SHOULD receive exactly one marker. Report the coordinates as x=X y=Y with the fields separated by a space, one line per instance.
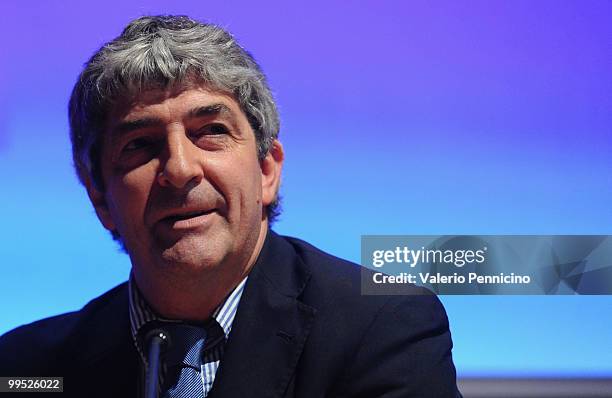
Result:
x=166 y=52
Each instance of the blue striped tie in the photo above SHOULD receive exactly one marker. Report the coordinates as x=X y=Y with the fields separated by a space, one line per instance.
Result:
x=184 y=361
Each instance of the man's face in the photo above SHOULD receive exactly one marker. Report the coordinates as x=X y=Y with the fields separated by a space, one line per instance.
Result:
x=184 y=186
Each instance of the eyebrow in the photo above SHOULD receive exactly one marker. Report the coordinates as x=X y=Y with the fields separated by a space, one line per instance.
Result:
x=133 y=125
x=127 y=126
x=210 y=110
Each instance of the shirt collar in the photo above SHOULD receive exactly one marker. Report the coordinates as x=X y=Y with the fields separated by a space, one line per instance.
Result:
x=141 y=312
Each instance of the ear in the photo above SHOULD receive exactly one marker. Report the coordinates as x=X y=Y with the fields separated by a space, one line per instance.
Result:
x=271 y=167
x=98 y=200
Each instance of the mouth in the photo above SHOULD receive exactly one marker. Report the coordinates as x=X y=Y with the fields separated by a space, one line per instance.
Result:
x=187 y=220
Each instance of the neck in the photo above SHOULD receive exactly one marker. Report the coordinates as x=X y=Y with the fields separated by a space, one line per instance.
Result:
x=195 y=297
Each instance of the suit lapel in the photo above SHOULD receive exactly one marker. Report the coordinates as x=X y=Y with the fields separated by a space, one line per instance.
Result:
x=270 y=328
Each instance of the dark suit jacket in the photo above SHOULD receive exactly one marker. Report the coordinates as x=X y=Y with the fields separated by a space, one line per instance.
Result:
x=302 y=330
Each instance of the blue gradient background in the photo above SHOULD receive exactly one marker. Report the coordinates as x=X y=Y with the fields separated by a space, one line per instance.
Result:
x=476 y=117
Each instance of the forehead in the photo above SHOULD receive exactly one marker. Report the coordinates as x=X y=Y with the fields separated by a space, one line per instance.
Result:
x=185 y=96
x=174 y=105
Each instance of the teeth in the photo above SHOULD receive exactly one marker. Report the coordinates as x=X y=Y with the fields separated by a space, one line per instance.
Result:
x=187 y=215
x=195 y=213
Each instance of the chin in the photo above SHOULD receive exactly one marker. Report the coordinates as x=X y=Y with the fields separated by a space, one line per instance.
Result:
x=189 y=256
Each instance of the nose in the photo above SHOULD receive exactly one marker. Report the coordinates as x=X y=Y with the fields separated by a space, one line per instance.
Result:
x=183 y=162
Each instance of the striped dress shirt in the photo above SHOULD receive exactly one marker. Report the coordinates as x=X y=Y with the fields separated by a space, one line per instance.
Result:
x=141 y=313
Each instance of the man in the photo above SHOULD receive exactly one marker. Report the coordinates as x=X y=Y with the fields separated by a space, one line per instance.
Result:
x=174 y=133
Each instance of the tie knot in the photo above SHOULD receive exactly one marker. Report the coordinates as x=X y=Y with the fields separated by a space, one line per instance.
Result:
x=186 y=345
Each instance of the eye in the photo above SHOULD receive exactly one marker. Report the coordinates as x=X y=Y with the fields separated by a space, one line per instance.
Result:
x=212 y=129
x=136 y=144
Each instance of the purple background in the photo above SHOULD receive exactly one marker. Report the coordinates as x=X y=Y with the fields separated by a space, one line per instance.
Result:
x=421 y=117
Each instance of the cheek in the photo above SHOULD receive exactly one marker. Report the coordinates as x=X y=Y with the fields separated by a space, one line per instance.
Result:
x=239 y=181
x=252 y=200
x=129 y=195
x=251 y=182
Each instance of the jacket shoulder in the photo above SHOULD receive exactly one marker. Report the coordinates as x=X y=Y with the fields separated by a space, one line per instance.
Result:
x=343 y=275
x=335 y=290
x=406 y=333
x=45 y=345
